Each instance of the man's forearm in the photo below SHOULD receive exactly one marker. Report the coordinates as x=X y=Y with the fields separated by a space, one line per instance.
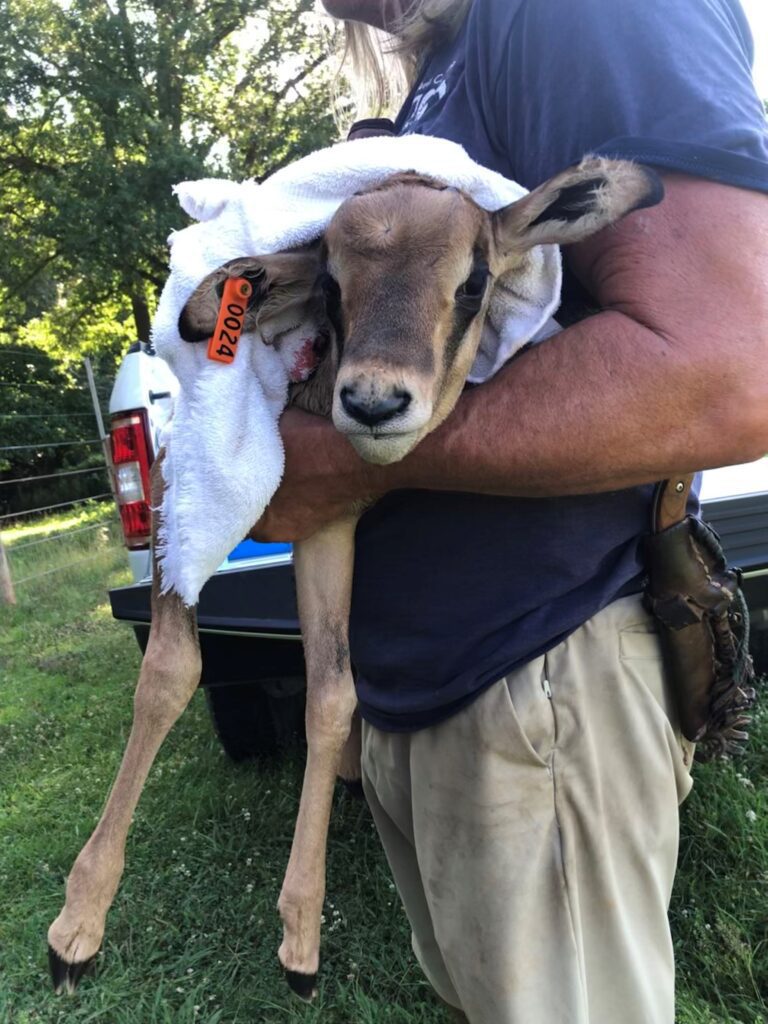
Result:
x=672 y=378
x=606 y=404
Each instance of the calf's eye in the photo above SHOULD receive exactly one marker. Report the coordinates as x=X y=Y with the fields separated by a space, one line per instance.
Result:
x=332 y=296
x=473 y=289
x=329 y=285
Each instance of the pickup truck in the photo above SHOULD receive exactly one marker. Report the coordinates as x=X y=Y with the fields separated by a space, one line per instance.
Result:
x=253 y=665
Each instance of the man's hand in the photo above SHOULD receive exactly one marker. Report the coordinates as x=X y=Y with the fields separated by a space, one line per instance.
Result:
x=324 y=478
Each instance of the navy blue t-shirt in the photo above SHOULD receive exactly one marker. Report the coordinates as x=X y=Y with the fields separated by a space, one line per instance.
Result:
x=453 y=591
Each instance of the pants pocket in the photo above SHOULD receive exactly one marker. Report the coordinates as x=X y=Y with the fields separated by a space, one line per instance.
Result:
x=639 y=642
x=530 y=700
x=641 y=656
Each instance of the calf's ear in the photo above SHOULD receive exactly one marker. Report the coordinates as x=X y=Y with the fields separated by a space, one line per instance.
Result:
x=197 y=319
x=279 y=282
x=575 y=204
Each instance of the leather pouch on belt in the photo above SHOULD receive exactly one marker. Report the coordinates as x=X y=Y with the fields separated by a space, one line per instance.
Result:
x=704 y=628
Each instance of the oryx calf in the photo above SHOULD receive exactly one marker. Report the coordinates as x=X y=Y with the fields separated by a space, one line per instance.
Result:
x=403 y=278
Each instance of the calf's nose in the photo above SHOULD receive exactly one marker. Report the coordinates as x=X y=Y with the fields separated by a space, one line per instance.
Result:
x=372 y=410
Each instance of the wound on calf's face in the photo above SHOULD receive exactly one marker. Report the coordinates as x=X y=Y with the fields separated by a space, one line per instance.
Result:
x=306 y=359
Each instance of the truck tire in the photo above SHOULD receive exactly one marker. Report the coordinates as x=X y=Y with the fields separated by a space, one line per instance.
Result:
x=258 y=719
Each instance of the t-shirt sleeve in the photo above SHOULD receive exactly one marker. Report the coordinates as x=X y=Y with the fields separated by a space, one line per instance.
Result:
x=667 y=84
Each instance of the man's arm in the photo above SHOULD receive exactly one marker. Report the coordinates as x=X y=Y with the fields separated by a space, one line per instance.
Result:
x=671 y=377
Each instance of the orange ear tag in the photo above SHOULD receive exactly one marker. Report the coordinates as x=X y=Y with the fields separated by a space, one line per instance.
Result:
x=229 y=325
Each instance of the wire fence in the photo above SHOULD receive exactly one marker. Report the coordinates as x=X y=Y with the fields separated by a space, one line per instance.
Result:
x=52 y=476
x=45 y=386
x=23 y=561
x=61 y=504
x=62 y=568
x=47 y=444
x=46 y=415
x=59 y=536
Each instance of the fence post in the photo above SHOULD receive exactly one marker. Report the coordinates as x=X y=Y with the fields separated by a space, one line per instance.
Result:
x=7 y=593
x=103 y=435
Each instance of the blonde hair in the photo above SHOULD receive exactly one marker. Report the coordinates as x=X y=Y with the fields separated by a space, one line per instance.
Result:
x=381 y=67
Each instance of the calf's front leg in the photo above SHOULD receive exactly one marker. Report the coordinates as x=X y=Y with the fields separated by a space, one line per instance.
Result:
x=324 y=566
x=169 y=675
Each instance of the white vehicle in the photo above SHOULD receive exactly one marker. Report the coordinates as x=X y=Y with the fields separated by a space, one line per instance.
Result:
x=139 y=407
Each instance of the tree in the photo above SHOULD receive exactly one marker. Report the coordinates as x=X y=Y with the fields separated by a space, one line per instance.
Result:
x=105 y=105
x=108 y=103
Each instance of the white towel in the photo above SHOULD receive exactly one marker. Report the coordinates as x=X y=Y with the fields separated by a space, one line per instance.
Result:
x=224 y=458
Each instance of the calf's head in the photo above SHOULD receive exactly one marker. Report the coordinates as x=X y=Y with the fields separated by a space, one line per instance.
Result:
x=409 y=271
x=404 y=276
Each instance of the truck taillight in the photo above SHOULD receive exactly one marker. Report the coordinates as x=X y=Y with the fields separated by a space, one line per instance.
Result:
x=131 y=459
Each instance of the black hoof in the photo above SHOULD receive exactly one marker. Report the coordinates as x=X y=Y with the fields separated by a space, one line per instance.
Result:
x=66 y=977
x=304 y=985
x=355 y=788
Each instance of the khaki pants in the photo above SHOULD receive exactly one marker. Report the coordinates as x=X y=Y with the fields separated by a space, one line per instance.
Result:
x=533 y=836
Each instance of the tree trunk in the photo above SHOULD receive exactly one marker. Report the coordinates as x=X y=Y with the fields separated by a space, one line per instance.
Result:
x=141 y=317
x=7 y=593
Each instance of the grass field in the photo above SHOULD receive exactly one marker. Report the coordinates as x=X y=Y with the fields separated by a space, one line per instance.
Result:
x=193 y=932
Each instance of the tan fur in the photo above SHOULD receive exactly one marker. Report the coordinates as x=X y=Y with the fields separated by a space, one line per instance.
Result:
x=170 y=674
x=399 y=254
x=624 y=187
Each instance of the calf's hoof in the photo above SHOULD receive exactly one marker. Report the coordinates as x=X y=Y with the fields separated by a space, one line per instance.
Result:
x=66 y=977
x=304 y=985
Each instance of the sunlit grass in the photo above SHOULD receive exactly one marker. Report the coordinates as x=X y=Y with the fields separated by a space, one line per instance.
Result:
x=46 y=555
x=82 y=515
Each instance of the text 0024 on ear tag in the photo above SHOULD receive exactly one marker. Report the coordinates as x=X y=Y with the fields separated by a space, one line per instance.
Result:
x=229 y=324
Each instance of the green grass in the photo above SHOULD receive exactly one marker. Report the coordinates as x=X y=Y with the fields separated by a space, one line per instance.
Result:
x=49 y=545
x=194 y=923
x=193 y=933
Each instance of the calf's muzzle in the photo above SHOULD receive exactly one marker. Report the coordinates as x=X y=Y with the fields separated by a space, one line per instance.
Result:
x=371 y=408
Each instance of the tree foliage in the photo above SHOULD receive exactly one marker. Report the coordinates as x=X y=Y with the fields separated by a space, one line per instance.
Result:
x=106 y=104
x=48 y=430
